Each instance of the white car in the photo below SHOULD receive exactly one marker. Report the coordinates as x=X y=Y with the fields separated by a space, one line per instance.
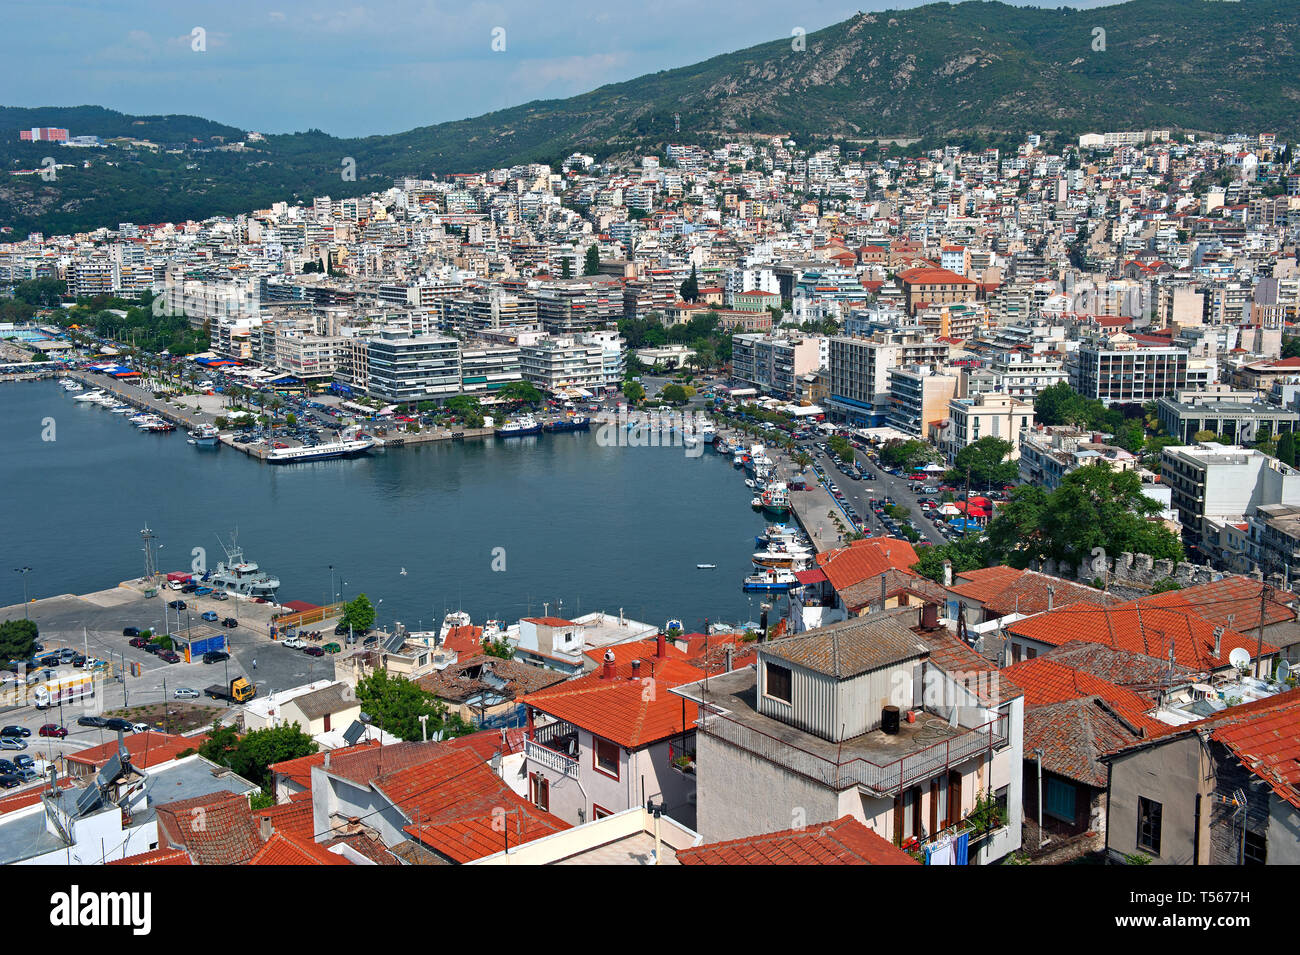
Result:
x=293 y=643
x=186 y=693
x=140 y=727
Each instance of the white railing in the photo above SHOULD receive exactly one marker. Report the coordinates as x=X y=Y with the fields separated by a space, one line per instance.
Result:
x=550 y=758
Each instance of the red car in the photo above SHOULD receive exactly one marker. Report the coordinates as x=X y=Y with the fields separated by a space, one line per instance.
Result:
x=313 y=651
x=139 y=643
x=52 y=729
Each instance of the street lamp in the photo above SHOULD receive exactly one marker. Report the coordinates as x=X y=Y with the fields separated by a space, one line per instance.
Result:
x=24 y=571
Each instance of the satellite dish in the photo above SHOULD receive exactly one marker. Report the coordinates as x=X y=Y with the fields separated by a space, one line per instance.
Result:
x=1283 y=672
x=1240 y=658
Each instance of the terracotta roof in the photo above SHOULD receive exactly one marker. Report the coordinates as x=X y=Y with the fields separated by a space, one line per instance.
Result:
x=624 y=709
x=858 y=597
x=282 y=849
x=1123 y=668
x=216 y=829
x=364 y=844
x=1046 y=681
x=1146 y=630
x=464 y=678
x=1074 y=735
x=933 y=276
x=465 y=639
x=146 y=749
x=156 y=857
x=850 y=647
x=868 y=557
x=550 y=621
x=977 y=674
x=842 y=842
x=362 y=764
x=1232 y=601
x=985 y=583
x=299 y=770
x=1267 y=741
x=1025 y=592
x=293 y=818
x=636 y=650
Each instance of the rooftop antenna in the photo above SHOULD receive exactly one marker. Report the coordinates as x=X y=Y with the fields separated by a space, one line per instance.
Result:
x=150 y=571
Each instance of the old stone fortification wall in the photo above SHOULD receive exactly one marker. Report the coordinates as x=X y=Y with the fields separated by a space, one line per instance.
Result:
x=1133 y=575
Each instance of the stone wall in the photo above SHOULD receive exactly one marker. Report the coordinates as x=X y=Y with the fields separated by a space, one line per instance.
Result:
x=1133 y=575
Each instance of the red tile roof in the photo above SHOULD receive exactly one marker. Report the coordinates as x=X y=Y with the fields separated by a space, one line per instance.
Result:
x=637 y=650
x=1267 y=741
x=868 y=557
x=216 y=829
x=933 y=276
x=156 y=857
x=1141 y=629
x=1073 y=736
x=1023 y=591
x=282 y=849
x=630 y=711
x=843 y=842
x=1046 y=681
x=293 y=818
x=1232 y=601
x=299 y=770
x=146 y=749
x=550 y=621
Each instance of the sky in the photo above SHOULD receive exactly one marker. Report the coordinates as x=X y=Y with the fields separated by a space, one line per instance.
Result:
x=360 y=67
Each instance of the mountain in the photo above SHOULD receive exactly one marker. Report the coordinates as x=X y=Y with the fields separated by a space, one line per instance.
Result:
x=938 y=71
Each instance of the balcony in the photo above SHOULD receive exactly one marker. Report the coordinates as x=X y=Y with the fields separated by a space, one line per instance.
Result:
x=550 y=759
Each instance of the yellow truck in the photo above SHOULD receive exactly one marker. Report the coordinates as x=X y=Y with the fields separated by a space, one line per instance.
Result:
x=239 y=691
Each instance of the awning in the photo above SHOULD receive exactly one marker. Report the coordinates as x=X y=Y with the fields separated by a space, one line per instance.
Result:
x=814 y=575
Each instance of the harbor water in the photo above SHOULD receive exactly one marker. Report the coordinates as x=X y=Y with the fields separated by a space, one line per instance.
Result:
x=498 y=528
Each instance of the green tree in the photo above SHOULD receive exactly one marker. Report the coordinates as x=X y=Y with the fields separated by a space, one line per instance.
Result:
x=633 y=392
x=499 y=648
x=906 y=454
x=566 y=268
x=592 y=264
x=986 y=461
x=521 y=392
x=1286 y=449
x=221 y=744
x=1164 y=585
x=965 y=553
x=690 y=288
x=358 y=613
x=1057 y=404
x=674 y=394
x=842 y=448
x=258 y=750
x=395 y=705
x=17 y=639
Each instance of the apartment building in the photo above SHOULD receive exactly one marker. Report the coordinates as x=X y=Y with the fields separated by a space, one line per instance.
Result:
x=933 y=286
x=1122 y=371
x=887 y=718
x=774 y=364
x=987 y=414
x=309 y=357
x=402 y=367
x=1049 y=453
x=1023 y=374
x=918 y=396
x=1236 y=416
x=486 y=368
x=859 y=371
x=561 y=363
x=1212 y=481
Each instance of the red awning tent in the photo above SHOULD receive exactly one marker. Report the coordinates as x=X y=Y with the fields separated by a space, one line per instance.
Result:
x=814 y=575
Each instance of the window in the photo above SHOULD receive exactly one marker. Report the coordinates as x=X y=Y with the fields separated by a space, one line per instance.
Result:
x=1148 y=836
x=1059 y=800
x=600 y=812
x=777 y=682
x=539 y=791
x=605 y=756
x=1255 y=850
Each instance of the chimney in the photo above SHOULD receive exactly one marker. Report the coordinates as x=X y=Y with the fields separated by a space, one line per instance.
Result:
x=636 y=669
x=265 y=828
x=947 y=573
x=929 y=616
x=661 y=647
x=607 y=673
x=1218 y=641
x=327 y=759
x=762 y=625
x=1051 y=596
x=730 y=650
x=882 y=592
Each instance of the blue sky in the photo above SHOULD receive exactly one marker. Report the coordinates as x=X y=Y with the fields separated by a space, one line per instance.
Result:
x=357 y=67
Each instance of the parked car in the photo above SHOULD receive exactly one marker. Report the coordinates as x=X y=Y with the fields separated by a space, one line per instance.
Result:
x=171 y=656
x=12 y=742
x=203 y=591
x=15 y=731
x=23 y=761
x=230 y=622
x=141 y=727
x=189 y=588
x=27 y=774
x=293 y=643
x=117 y=723
x=177 y=605
x=130 y=631
x=220 y=595
x=8 y=767
x=313 y=651
x=209 y=615
x=186 y=693
x=215 y=656
x=153 y=648
x=10 y=780
x=93 y=721
x=53 y=730
x=138 y=642
x=332 y=648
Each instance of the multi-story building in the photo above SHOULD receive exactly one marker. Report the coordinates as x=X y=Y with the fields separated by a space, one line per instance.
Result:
x=859 y=371
x=774 y=364
x=1123 y=371
x=1023 y=374
x=917 y=396
x=1048 y=454
x=1216 y=481
x=486 y=368
x=402 y=367
x=815 y=731
x=931 y=286
x=563 y=363
x=309 y=357
x=1234 y=416
x=987 y=414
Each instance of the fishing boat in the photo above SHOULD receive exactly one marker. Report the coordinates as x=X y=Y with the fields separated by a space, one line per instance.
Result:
x=788 y=557
x=519 y=427
x=239 y=576
x=756 y=503
x=776 y=499
x=772 y=580
x=575 y=423
x=706 y=566
x=776 y=534
x=454 y=619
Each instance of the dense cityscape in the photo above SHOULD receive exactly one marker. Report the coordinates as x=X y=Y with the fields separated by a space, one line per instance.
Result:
x=1013 y=427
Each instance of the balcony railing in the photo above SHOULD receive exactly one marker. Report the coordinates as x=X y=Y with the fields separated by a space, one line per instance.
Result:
x=550 y=759
x=882 y=779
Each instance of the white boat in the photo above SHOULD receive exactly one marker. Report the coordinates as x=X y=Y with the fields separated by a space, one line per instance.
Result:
x=346 y=447
x=90 y=396
x=457 y=618
x=119 y=409
x=749 y=483
x=706 y=566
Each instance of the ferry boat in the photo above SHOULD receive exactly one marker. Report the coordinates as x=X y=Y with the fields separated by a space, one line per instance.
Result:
x=239 y=576
x=776 y=499
x=204 y=436
x=519 y=427
x=345 y=447
x=771 y=580
x=576 y=423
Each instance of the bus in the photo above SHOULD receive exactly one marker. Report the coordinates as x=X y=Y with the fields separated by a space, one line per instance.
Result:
x=63 y=689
